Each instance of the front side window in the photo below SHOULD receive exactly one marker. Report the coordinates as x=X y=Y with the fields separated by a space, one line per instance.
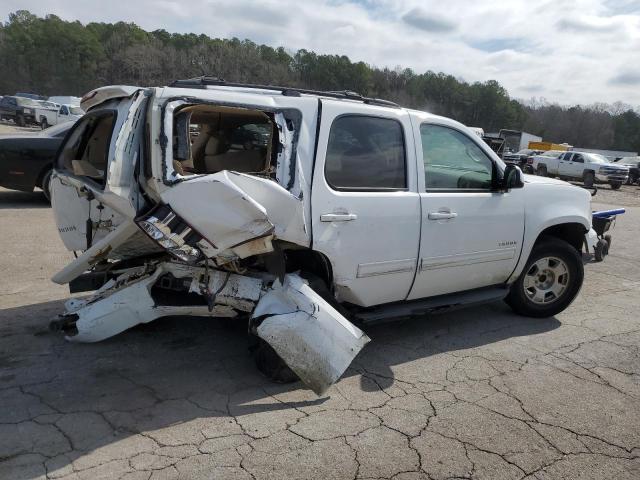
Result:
x=453 y=161
x=366 y=153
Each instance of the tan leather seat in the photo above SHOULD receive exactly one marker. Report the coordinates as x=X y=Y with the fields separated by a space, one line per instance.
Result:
x=240 y=161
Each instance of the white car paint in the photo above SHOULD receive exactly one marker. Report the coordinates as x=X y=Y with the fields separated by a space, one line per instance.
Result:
x=302 y=327
x=60 y=114
x=381 y=246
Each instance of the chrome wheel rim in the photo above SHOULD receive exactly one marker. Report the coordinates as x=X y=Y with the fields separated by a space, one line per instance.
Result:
x=546 y=280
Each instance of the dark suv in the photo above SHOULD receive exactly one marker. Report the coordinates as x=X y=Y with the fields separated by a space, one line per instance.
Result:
x=19 y=109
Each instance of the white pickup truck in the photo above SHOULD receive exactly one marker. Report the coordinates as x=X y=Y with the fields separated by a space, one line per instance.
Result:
x=52 y=114
x=352 y=209
x=588 y=167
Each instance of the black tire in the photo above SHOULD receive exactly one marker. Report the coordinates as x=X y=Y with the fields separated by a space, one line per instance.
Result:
x=46 y=180
x=541 y=171
x=615 y=185
x=269 y=362
x=20 y=120
x=609 y=239
x=517 y=298
x=44 y=124
x=601 y=249
x=589 y=179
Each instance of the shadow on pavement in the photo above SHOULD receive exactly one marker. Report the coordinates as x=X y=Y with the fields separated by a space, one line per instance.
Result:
x=161 y=376
x=10 y=199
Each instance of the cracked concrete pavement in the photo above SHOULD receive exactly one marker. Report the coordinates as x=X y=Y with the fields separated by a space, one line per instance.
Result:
x=479 y=393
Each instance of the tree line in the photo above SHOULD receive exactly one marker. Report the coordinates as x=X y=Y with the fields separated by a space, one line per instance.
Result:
x=52 y=56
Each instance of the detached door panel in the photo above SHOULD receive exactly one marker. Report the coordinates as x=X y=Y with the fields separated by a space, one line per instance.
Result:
x=471 y=237
x=365 y=205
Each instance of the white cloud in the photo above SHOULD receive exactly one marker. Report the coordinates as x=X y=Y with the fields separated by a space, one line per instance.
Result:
x=569 y=51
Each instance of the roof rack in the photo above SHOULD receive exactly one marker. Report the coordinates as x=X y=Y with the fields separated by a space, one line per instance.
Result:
x=204 y=81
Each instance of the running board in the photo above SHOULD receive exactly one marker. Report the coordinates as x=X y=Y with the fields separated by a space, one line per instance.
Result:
x=423 y=306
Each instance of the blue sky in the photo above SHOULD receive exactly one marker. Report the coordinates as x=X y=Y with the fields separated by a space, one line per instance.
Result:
x=566 y=51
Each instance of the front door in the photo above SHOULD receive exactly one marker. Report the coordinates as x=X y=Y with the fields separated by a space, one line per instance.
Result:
x=471 y=236
x=565 y=165
x=365 y=205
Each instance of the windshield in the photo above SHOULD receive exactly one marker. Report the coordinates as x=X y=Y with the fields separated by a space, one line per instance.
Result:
x=629 y=160
x=597 y=158
x=76 y=111
x=551 y=153
x=27 y=102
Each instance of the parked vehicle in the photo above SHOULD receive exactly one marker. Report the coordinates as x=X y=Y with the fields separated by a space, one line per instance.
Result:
x=63 y=114
x=21 y=110
x=520 y=158
x=588 y=167
x=26 y=159
x=45 y=108
x=354 y=210
x=542 y=159
x=633 y=163
x=32 y=96
x=66 y=100
x=516 y=140
x=602 y=221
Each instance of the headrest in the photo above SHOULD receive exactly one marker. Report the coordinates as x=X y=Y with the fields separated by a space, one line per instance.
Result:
x=214 y=146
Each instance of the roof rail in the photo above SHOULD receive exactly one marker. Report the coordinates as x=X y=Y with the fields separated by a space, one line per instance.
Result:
x=204 y=81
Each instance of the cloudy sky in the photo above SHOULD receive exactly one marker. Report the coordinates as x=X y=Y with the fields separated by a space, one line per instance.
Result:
x=567 y=51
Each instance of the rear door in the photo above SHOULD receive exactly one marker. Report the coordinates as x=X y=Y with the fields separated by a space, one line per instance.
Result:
x=471 y=235
x=92 y=187
x=365 y=207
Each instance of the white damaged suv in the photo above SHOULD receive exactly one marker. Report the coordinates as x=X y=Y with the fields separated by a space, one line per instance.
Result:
x=299 y=212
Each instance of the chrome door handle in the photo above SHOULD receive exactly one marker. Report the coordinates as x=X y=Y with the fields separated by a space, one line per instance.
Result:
x=338 y=217
x=442 y=215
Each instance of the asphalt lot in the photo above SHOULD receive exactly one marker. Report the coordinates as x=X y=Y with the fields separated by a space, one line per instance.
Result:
x=479 y=393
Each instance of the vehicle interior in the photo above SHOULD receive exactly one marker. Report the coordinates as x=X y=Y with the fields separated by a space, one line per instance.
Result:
x=208 y=139
x=86 y=152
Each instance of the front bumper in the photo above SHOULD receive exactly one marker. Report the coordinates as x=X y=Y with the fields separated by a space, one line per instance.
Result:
x=611 y=178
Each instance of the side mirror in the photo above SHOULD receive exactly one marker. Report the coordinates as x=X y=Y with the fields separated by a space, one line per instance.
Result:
x=512 y=178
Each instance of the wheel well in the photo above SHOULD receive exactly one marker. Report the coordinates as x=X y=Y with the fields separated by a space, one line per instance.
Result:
x=309 y=261
x=42 y=173
x=572 y=233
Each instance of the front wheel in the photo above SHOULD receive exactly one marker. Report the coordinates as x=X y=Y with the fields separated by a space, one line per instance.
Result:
x=44 y=124
x=46 y=184
x=589 y=179
x=549 y=282
x=20 y=121
x=615 y=185
x=541 y=171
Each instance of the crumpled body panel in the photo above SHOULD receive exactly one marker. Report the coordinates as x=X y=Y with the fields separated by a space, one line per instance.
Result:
x=312 y=337
x=229 y=209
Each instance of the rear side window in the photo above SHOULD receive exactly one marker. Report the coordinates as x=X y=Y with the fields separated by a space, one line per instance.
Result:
x=366 y=153
x=86 y=151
